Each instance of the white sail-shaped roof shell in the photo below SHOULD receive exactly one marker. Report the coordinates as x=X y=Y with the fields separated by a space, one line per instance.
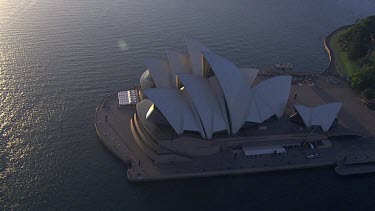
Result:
x=146 y=80
x=195 y=50
x=225 y=101
x=249 y=74
x=214 y=84
x=269 y=98
x=233 y=86
x=323 y=115
x=178 y=63
x=160 y=72
x=205 y=102
x=175 y=108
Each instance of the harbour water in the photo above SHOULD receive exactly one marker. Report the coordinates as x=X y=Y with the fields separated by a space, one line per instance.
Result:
x=59 y=58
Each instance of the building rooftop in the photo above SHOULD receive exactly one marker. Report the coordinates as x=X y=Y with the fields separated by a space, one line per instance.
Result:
x=206 y=93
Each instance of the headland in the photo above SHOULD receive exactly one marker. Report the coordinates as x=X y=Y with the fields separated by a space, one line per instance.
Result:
x=151 y=149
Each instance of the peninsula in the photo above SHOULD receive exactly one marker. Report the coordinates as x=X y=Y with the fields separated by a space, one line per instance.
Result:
x=351 y=49
x=199 y=115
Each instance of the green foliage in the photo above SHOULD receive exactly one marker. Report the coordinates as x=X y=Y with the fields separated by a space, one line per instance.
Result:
x=364 y=78
x=357 y=40
x=343 y=63
x=368 y=94
x=355 y=50
x=358 y=45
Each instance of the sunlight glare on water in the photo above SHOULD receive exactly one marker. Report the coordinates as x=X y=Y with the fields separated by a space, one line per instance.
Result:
x=122 y=45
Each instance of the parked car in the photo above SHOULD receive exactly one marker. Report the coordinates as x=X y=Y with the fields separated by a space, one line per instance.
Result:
x=313 y=156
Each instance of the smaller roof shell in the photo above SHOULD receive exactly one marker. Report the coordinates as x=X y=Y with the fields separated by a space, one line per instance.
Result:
x=323 y=115
x=178 y=63
x=146 y=80
x=269 y=98
x=160 y=72
x=249 y=74
x=195 y=50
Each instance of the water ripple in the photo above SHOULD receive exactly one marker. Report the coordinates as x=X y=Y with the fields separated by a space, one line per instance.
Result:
x=59 y=58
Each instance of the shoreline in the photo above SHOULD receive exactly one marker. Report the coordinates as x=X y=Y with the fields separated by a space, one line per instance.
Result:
x=332 y=68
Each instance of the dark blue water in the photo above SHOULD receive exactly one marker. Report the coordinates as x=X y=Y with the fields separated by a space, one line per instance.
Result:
x=59 y=58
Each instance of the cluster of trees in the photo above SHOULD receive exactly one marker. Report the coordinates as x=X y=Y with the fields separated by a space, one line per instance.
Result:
x=359 y=42
x=363 y=80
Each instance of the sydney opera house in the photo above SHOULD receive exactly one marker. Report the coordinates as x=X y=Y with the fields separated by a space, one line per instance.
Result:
x=200 y=103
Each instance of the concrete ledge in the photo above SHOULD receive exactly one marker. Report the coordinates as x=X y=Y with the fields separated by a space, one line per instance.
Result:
x=100 y=131
x=135 y=178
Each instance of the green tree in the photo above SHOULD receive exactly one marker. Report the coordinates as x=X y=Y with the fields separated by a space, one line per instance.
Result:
x=368 y=94
x=355 y=48
x=357 y=40
x=364 y=78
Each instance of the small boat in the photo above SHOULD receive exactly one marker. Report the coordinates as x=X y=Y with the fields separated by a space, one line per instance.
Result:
x=284 y=67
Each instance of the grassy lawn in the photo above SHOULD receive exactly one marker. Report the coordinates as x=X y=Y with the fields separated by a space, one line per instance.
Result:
x=343 y=63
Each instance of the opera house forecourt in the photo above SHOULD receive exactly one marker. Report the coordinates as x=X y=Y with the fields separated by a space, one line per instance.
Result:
x=197 y=114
